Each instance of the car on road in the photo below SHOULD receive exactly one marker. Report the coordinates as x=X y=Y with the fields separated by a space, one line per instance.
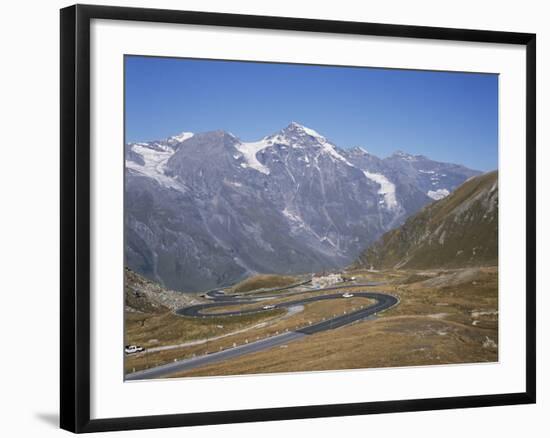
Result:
x=132 y=349
x=268 y=307
x=347 y=295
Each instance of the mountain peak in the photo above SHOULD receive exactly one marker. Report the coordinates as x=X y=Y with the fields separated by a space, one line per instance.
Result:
x=298 y=129
x=181 y=137
x=295 y=135
x=295 y=125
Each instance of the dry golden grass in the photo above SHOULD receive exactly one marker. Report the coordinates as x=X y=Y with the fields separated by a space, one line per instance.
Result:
x=264 y=282
x=169 y=329
x=448 y=324
x=157 y=330
x=374 y=344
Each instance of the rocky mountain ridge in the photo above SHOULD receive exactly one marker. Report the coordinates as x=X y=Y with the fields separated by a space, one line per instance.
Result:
x=207 y=209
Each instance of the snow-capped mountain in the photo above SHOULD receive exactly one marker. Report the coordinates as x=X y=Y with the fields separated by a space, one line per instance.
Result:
x=208 y=209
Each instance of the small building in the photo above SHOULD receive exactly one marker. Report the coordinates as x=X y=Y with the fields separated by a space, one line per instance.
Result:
x=326 y=280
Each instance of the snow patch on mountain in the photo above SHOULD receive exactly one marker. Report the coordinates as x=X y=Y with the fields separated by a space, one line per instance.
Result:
x=361 y=149
x=329 y=240
x=309 y=131
x=180 y=137
x=234 y=184
x=294 y=217
x=387 y=188
x=281 y=140
x=438 y=194
x=330 y=149
x=249 y=151
x=155 y=157
x=326 y=146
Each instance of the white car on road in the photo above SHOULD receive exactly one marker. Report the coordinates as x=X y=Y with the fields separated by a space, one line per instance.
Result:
x=131 y=349
x=347 y=295
x=268 y=307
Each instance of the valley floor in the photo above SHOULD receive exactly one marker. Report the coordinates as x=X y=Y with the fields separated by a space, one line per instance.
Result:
x=443 y=317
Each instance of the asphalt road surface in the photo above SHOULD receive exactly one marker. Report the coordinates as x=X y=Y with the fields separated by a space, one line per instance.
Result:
x=219 y=294
x=383 y=302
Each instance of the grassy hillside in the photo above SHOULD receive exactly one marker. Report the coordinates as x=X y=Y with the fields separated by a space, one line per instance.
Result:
x=458 y=231
x=263 y=282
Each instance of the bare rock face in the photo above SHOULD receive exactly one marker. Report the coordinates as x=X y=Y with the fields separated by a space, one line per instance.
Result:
x=205 y=210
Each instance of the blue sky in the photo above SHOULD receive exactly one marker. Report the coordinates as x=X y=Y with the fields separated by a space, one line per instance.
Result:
x=446 y=116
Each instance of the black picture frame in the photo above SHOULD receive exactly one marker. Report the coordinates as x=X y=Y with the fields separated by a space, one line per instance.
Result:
x=75 y=217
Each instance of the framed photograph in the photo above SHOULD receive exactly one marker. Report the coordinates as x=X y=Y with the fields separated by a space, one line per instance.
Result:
x=268 y=218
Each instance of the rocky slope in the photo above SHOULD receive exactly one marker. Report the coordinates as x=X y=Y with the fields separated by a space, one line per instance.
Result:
x=458 y=231
x=204 y=210
x=142 y=295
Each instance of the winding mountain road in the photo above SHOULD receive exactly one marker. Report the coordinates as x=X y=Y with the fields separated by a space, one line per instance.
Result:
x=383 y=302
